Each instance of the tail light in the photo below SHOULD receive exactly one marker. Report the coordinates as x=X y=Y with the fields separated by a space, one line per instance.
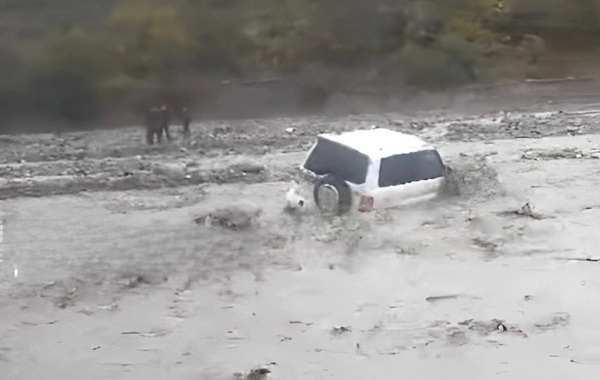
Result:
x=366 y=204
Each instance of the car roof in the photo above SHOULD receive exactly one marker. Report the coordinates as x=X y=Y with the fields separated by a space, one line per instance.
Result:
x=379 y=143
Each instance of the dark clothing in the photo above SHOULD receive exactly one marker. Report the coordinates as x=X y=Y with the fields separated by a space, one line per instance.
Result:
x=185 y=120
x=157 y=123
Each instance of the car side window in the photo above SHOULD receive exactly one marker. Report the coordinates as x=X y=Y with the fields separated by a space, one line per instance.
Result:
x=411 y=167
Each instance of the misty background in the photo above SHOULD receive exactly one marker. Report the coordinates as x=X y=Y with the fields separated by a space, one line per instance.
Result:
x=82 y=64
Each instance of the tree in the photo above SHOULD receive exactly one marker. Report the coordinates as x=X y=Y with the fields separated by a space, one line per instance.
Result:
x=219 y=28
x=280 y=34
x=76 y=62
x=148 y=36
x=471 y=20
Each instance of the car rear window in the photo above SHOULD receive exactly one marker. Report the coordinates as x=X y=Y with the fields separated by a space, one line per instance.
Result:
x=329 y=157
x=410 y=167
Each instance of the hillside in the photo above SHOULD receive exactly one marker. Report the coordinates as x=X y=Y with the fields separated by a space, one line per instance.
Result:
x=80 y=64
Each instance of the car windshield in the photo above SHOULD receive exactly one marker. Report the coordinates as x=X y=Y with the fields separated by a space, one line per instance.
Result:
x=411 y=167
x=329 y=157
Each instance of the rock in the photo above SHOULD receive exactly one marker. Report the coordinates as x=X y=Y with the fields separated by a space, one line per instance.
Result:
x=553 y=321
x=338 y=330
x=135 y=280
x=248 y=167
x=174 y=172
x=198 y=176
x=258 y=374
x=131 y=164
x=554 y=154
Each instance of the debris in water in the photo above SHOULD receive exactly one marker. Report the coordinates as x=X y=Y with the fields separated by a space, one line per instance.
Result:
x=554 y=154
x=485 y=244
x=231 y=218
x=133 y=281
x=112 y=306
x=527 y=211
x=86 y=311
x=248 y=167
x=553 y=321
x=485 y=328
x=258 y=373
x=152 y=334
x=338 y=330
x=586 y=259
x=434 y=299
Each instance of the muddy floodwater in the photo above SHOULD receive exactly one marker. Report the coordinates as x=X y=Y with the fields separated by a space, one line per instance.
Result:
x=122 y=261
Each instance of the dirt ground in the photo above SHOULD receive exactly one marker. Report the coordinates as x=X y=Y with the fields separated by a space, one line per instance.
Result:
x=123 y=261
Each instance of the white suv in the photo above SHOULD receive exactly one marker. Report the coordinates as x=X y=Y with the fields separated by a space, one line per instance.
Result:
x=380 y=167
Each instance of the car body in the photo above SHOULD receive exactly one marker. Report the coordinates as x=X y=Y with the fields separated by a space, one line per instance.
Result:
x=381 y=167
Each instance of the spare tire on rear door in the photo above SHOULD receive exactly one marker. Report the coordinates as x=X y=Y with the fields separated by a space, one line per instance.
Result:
x=332 y=195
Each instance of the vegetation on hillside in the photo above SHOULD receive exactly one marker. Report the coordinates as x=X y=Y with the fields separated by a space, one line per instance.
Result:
x=74 y=68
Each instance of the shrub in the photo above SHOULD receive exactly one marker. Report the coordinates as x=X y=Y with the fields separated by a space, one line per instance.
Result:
x=148 y=36
x=66 y=80
x=449 y=61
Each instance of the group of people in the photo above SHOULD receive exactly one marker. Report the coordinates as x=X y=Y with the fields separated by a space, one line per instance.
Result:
x=158 y=120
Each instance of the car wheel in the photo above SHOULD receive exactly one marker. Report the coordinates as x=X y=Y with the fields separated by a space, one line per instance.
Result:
x=332 y=195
